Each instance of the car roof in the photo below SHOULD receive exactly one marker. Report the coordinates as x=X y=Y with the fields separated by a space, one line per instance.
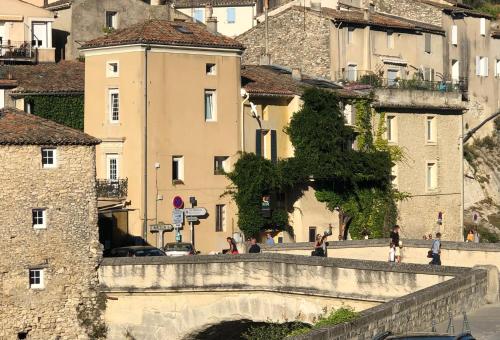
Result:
x=136 y=247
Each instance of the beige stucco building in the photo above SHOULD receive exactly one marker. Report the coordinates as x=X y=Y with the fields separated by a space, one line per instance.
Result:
x=25 y=33
x=164 y=98
x=48 y=277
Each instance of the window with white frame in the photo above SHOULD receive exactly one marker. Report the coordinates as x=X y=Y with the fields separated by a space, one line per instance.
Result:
x=231 y=15
x=350 y=35
x=210 y=106
x=113 y=167
x=39 y=218
x=40 y=34
x=454 y=35
x=390 y=40
x=482 y=26
x=220 y=217
x=455 y=70
x=430 y=129
x=36 y=277
x=112 y=69
x=482 y=66
x=111 y=20
x=431 y=175
x=49 y=158
x=497 y=68
x=114 y=105
x=391 y=132
x=177 y=168
x=210 y=69
x=352 y=72
x=220 y=165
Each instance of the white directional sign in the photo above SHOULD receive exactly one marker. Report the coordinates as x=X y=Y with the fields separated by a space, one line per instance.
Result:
x=161 y=227
x=192 y=218
x=195 y=211
x=177 y=216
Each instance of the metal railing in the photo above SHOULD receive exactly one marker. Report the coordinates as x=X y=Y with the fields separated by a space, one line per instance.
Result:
x=415 y=83
x=107 y=188
x=17 y=50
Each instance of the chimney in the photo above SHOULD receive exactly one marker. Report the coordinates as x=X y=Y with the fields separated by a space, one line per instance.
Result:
x=316 y=5
x=366 y=14
x=265 y=59
x=211 y=21
x=296 y=74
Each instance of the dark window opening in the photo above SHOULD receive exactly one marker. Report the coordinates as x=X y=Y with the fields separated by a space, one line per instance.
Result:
x=312 y=234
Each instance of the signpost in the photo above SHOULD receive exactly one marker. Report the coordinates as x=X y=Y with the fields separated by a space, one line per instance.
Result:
x=192 y=219
x=177 y=216
x=195 y=211
x=160 y=228
x=192 y=215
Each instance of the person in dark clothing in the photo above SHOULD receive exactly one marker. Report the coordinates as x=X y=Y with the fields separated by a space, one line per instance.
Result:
x=397 y=243
x=254 y=247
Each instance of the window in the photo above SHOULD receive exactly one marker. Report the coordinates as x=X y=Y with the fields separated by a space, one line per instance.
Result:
x=49 y=158
x=198 y=15
x=350 y=35
x=111 y=20
x=481 y=66
x=177 y=168
x=497 y=69
x=266 y=144
x=231 y=15
x=312 y=234
x=36 y=278
x=114 y=105
x=39 y=218
x=392 y=76
x=352 y=72
x=454 y=35
x=482 y=26
x=390 y=40
x=112 y=69
x=210 y=69
x=29 y=105
x=112 y=165
x=428 y=74
x=220 y=165
x=349 y=114
x=431 y=174
x=430 y=129
x=455 y=70
x=220 y=217
x=391 y=128
x=2 y=98
x=210 y=106
x=40 y=34
x=428 y=41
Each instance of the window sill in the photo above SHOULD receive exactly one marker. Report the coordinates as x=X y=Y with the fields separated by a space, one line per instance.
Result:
x=210 y=121
x=430 y=143
x=219 y=173
x=49 y=167
x=177 y=182
x=39 y=227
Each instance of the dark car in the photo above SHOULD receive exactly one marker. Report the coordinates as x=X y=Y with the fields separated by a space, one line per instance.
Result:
x=132 y=251
x=423 y=336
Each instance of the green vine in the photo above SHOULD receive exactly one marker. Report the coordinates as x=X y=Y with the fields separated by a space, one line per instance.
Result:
x=63 y=109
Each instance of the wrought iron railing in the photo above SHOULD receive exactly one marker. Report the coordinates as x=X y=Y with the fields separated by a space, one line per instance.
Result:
x=17 y=50
x=108 y=188
x=415 y=83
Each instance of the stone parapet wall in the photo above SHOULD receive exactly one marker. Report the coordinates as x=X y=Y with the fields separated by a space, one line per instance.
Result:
x=415 y=311
x=67 y=250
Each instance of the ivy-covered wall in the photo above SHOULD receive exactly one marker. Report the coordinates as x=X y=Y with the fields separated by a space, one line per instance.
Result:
x=63 y=109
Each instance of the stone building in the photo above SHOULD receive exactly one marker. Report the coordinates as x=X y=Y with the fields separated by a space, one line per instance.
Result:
x=78 y=21
x=49 y=236
x=173 y=135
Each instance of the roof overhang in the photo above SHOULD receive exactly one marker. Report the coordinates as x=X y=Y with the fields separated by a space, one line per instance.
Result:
x=141 y=47
x=394 y=61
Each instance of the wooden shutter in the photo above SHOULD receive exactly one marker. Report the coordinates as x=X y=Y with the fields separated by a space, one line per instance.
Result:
x=427 y=42
x=274 y=149
x=258 y=142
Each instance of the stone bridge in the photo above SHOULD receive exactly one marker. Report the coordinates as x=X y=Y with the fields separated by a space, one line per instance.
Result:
x=178 y=298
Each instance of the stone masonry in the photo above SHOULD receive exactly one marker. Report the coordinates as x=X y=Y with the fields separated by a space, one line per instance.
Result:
x=413 y=10
x=68 y=251
x=296 y=40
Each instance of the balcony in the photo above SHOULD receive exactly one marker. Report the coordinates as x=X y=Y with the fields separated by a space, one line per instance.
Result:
x=116 y=189
x=21 y=51
x=363 y=79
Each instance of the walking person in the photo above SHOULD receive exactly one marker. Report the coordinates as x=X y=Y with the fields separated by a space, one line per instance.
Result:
x=254 y=247
x=470 y=236
x=436 y=250
x=270 y=240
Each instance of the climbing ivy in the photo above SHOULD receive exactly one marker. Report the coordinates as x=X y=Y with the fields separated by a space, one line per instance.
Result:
x=62 y=109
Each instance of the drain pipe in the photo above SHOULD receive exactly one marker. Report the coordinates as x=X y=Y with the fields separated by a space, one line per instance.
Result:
x=145 y=173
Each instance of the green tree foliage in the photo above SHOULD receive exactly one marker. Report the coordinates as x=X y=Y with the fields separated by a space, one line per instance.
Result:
x=63 y=109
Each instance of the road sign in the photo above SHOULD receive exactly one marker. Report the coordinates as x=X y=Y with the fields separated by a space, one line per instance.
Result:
x=195 y=211
x=177 y=216
x=161 y=227
x=178 y=202
x=192 y=219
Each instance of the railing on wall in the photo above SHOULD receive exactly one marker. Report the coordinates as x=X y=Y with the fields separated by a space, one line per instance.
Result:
x=107 y=188
x=18 y=50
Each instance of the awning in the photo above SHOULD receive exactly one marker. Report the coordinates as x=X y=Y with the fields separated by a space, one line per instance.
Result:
x=394 y=61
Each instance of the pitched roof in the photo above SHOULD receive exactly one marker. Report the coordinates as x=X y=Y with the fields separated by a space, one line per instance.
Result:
x=64 y=77
x=213 y=3
x=162 y=32
x=21 y=128
x=375 y=19
x=277 y=81
x=457 y=9
x=58 y=4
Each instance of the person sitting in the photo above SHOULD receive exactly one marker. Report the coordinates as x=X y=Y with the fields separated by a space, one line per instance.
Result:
x=232 y=247
x=254 y=247
x=319 y=246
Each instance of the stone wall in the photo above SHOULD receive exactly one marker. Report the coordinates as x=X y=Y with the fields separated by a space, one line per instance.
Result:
x=410 y=9
x=415 y=311
x=67 y=250
x=292 y=42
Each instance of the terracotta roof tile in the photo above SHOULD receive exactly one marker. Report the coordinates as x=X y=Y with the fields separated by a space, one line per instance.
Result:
x=63 y=77
x=21 y=128
x=278 y=81
x=214 y=3
x=162 y=32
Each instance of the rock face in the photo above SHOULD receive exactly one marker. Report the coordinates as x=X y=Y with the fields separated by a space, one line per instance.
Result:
x=67 y=304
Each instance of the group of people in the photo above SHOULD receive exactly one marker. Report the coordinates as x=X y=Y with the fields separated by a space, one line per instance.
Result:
x=472 y=236
x=396 y=246
x=253 y=248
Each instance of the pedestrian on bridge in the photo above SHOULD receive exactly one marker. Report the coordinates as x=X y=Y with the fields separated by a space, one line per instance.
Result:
x=436 y=250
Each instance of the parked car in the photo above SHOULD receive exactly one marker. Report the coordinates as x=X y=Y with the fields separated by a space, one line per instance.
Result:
x=175 y=249
x=132 y=251
x=423 y=336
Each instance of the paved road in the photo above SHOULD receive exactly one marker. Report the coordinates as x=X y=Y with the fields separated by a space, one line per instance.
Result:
x=484 y=323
